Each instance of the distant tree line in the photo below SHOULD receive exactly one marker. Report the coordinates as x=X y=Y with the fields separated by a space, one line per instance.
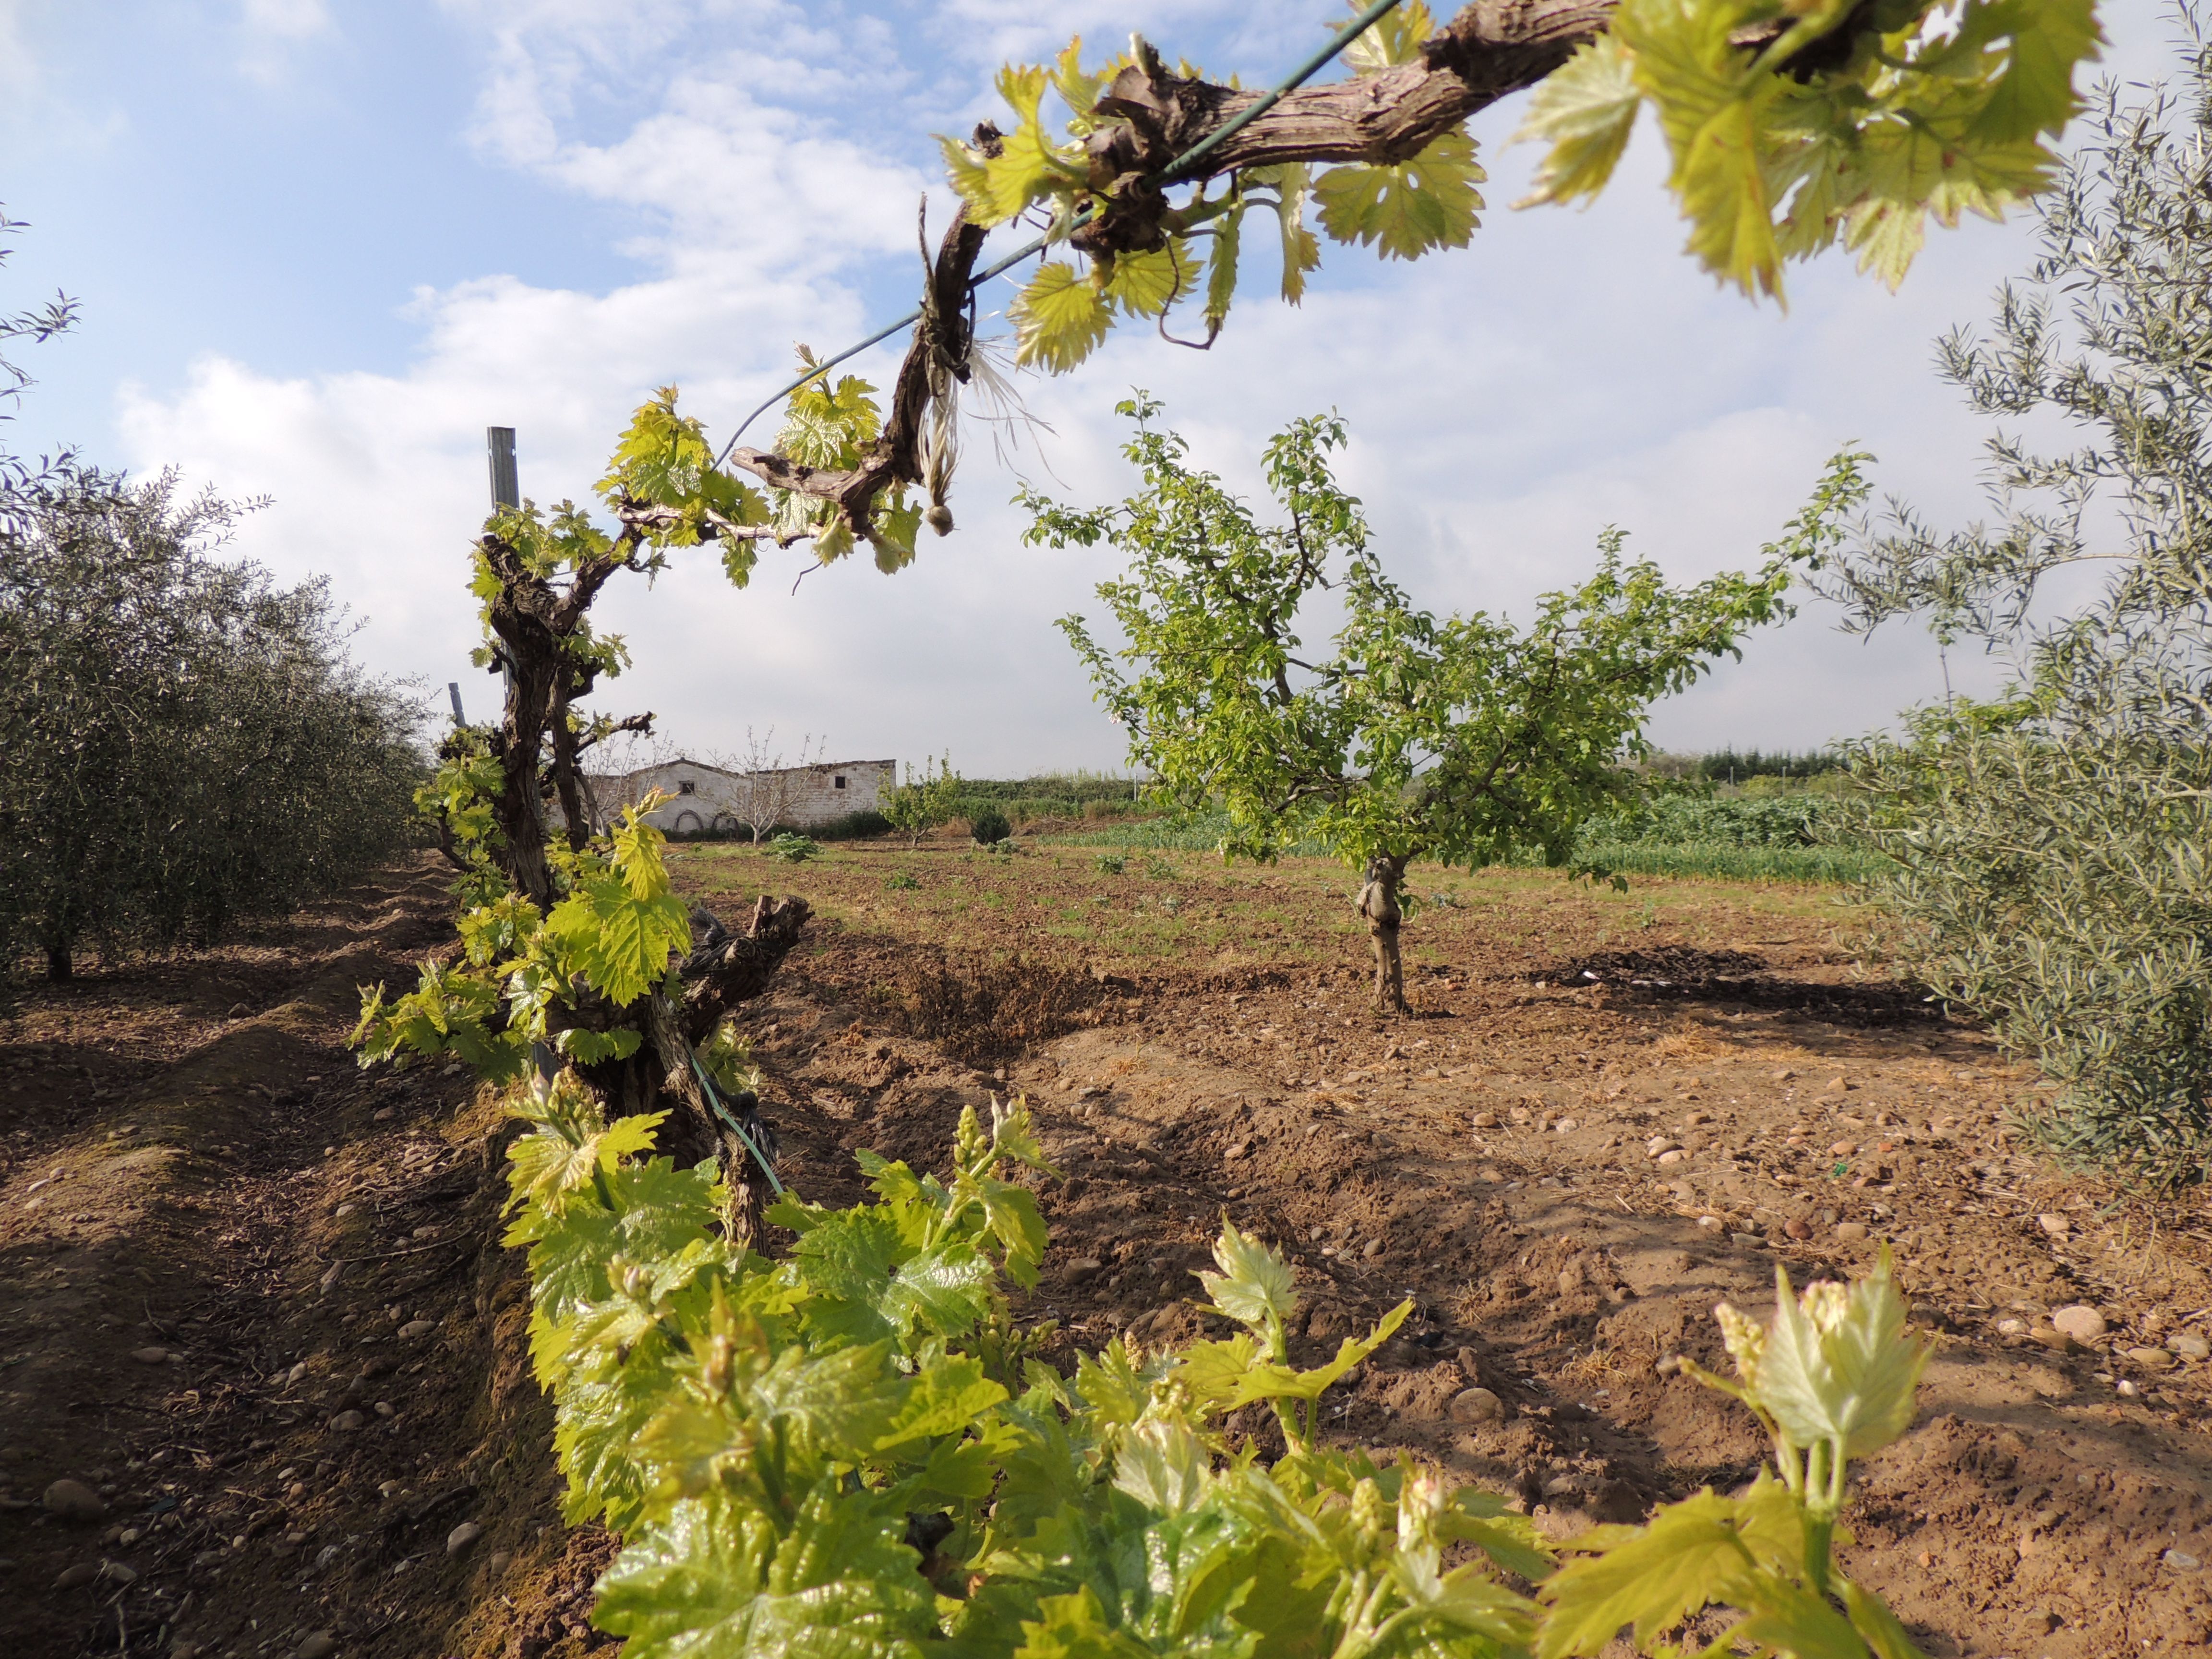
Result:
x=183 y=744
x=1732 y=765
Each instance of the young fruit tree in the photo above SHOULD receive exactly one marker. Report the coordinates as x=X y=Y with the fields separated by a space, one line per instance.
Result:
x=930 y=796
x=2048 y=843
x=1466 y=740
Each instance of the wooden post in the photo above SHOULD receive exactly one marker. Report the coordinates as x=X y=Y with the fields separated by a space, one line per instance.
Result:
x=499 y=452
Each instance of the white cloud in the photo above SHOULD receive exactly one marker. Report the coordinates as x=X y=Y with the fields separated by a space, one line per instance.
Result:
x=19 y=67
x=272 y=32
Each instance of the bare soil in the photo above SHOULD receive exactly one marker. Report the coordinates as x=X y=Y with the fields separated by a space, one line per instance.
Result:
x=216 y=1237
x=190 y=1163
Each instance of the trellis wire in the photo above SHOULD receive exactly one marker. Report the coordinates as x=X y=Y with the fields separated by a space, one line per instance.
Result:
x=1213 y=141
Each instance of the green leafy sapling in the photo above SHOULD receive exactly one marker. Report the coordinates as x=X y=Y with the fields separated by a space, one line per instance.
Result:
x=930 y=796
x=1465 y=739
x=1833 y=1378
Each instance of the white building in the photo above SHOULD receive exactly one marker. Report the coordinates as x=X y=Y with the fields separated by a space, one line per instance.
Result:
x=709 y=798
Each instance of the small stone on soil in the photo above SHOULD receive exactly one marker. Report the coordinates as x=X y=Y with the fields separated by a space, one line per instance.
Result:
x=2081 y=1322
x=2181 y=1560
x=73 y=1500
x=2190 y=1346
x=83 y=1573
x=462 y=1536
x=150 y=1356
x=1477 y=1406
x=2154 y=1360
x=414 y=1328
x=2057 y=1226
x=316 y=1644
x=1850 y=1232
x=346 y=1422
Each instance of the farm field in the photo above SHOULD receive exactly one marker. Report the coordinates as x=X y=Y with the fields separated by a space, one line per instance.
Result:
x=1610 y=1112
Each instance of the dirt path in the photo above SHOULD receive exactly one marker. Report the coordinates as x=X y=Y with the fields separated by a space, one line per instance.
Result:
x=252 y=1306
x=1566 y=1162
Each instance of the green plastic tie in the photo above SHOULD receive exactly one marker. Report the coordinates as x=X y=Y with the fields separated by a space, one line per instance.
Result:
x=738 y=1129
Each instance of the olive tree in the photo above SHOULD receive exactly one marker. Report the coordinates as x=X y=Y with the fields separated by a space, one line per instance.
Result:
x=1403 y=736
x=2048 y=843
x=183 y=743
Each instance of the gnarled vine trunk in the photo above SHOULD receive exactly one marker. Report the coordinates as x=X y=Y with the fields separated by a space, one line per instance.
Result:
x=540 y=755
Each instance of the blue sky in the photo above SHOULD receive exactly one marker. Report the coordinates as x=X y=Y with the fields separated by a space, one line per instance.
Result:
x=321 y=245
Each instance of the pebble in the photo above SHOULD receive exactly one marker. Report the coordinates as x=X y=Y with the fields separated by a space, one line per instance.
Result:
x=500 y=1562
x=1851 y=1232
x=316 y=1644
x=1241 y=1149
x=82 y=1572
x=293 y=1377
x=114 y=1572
x=1798 y=1229
x=2190 y=1346
x=1657 y=1144
x=1083 y=1267
x=1477 y=1406
x=1374 y=1249
x=1711 y=1223
x=150 y=1356
x=346 y=1422
x=1565 y=1125
x=2057 y=1226
x=1486 y=1120
x=2012 y=1328
x=1669 y=1159
x=388 y=1489
x=2081 y=1322
x=344 y=1211
x=1841 y=1084
x=1782 y=1075
x=73 y=1500
x=2181 y=1560
x=462 y=1536
x=414 y=1329
x=2152 y=1359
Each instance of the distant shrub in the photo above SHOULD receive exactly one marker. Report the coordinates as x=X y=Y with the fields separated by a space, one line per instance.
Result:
x=988 y=825
x=854 y=826
x=1681 y=819
x=1112 y=864
x=900 y=881
x=793 y=849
